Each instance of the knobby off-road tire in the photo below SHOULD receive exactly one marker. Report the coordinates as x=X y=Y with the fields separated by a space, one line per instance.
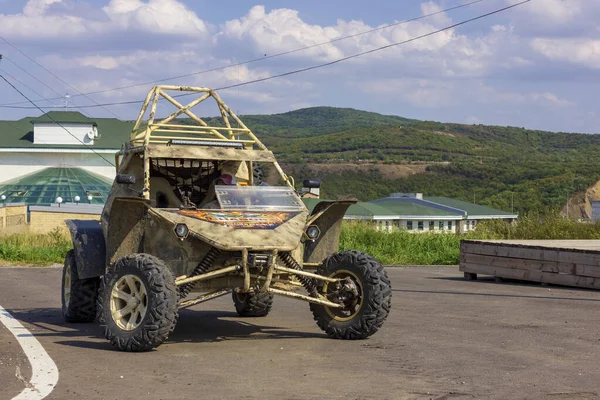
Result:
x=258 y=174
x=252 y=304
x=147 y=321
x=78 y=296
x=375 y=293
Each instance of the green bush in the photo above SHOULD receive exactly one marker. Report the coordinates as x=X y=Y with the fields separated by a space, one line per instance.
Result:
x=401 y=247
x=538 y=226
x=34 y=249
x=393 y=248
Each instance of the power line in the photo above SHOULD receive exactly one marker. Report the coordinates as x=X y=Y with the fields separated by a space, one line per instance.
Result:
x=464 y=160
x=18 y=80
x=32 y=90
x=53 y=120
x=265 y=57
x=373 y=50
x=28 y=73
x=57 y=77
x=318 y=66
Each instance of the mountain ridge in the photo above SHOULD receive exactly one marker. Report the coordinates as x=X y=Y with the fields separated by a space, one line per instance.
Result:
x=500 y=166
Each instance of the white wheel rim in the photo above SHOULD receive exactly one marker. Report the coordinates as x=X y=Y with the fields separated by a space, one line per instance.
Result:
x=67 y=285
x=128 y=302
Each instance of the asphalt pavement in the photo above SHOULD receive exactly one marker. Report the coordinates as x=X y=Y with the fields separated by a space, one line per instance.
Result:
x=446 y=338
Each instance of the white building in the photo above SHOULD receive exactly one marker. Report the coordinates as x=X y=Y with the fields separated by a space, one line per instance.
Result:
x=414 y=213
x=431 y=213
x=60 y=139
x=60 y=154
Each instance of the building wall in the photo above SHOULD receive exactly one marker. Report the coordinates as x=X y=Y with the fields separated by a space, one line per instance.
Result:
x=45 y=221
x=51 y=133
x=14 y=165
x=13 y=218
x=418 y=226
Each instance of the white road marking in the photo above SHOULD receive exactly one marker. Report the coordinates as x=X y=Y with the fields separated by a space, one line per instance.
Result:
x=44 y=374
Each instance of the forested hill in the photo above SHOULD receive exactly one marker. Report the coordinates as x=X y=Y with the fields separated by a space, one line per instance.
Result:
x=495 y=165
x=317 y=121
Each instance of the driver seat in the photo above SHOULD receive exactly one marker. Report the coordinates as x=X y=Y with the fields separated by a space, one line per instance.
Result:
x=162 y=194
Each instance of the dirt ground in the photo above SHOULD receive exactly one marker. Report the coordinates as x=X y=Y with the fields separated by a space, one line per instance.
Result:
x=446 y=338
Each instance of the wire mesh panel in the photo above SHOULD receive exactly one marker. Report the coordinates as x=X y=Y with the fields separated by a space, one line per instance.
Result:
x=187 y=177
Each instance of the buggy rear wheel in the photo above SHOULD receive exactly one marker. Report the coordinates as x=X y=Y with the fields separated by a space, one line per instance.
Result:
x=258 y=174
x=138 y=303
x=252 y=304
x=78 y=296
x=364 y=290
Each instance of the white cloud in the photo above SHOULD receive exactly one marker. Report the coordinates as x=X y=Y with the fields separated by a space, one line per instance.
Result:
x=583 y=51
x=506 y=68
x=38 y=7
x=280 y=30
x=553 y=11
x=166 y=17
x=440 y=19
x=556 y=17
x=438 y=93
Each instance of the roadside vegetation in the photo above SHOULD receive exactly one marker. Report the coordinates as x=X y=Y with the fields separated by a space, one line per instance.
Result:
x=391 y=248
x=404 y=248
x=500 y=166
x=34 y=249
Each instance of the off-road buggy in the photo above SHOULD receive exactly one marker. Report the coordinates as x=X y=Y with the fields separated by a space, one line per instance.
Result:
x=189 y=212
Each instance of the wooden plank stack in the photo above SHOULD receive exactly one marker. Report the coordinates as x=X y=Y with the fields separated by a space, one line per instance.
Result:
x=559 y=262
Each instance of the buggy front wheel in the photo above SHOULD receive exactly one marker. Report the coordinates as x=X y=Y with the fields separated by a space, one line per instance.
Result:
x=363 y=289
x=138 y=303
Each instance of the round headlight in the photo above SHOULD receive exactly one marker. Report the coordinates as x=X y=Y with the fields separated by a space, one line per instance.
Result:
x=312 y=232
x=181 y=230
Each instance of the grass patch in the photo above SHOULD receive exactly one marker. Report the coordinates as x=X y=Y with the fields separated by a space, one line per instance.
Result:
x=538 y=226
x=34 y=249
x=401 y=247
x=397 y=247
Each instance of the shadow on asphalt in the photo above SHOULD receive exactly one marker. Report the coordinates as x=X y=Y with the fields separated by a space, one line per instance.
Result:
x=49 y=322
x=216 y=326
x=194 y=326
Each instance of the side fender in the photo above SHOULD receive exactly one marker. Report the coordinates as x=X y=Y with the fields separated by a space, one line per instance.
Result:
x=125 y=231
x=327 y=216
x=89 y=245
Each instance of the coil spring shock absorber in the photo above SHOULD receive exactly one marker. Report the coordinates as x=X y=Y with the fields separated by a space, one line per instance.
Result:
x=308 y=283
x=202 y=267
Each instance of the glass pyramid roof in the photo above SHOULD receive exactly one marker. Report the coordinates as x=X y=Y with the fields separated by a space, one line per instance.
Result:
x=43 y=187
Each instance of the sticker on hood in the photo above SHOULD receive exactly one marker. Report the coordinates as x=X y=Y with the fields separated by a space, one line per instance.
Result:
x=241 y=219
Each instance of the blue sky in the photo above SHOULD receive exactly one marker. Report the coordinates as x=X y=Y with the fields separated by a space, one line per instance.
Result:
x=537 y=65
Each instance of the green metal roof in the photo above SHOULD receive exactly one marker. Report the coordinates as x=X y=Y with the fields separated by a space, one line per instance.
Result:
x=311 y=203
x=368 y=210
x=19 y=134
x=72 y=117
x=43 y=187
x=471 y=209
x=355 y=210
x=408 y=208
x=387 y=208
